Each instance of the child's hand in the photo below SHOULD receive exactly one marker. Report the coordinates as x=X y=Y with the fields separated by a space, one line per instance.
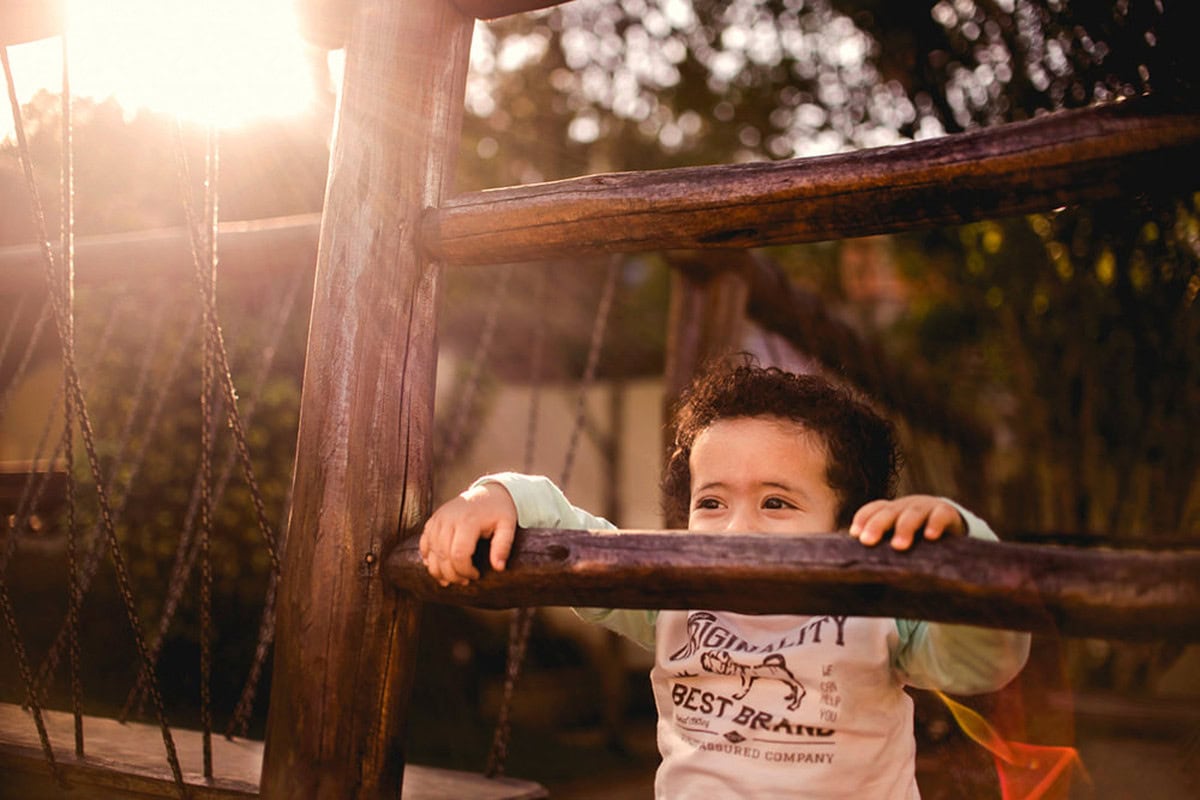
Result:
x=907 y=517
x=449 y=539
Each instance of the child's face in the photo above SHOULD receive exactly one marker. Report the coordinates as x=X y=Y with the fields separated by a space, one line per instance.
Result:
x=760 y=474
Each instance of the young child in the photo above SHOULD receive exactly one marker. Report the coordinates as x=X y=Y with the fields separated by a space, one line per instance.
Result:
x=768 y=706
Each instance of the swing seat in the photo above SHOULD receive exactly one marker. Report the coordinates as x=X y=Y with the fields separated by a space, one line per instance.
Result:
x=128 y=762
x=15 y=474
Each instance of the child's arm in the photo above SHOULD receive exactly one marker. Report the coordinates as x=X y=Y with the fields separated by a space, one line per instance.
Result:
x=492 y=508
x=960 y=659
x=908 y=518
x=484 y=511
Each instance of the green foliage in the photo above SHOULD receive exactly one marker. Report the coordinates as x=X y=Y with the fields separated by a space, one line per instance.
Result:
x=1082 y=326
x=1073 y=333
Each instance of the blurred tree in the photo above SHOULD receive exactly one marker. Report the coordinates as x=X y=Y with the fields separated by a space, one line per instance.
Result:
x=1087 y=424
x=127 y=179
x=127 y=175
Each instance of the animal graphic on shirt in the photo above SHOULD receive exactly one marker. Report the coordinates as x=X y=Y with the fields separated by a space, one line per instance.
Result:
x=773 y=667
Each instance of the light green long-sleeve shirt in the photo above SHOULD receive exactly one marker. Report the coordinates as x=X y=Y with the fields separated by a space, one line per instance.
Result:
x=789 y=706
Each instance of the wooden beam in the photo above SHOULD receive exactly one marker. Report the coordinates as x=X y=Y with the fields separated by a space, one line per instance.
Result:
x=706 y=317
x=345 y=649
x=16 y=475
x=1054 y=160
x=125 y=760
x=29 y=20
x=325 y=23
x=494 y=9
x=1110 y=593
x=265 y=248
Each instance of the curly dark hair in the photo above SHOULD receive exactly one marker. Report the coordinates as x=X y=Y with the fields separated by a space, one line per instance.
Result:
x=860 y=445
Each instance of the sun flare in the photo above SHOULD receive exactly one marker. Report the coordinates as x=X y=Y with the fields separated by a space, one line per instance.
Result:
x=220 y=62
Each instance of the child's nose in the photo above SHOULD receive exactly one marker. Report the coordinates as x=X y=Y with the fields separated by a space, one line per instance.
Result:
x=741 y=520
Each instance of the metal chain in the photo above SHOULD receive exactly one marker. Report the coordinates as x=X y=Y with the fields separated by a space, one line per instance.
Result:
x=73 y=578
x=518 y=639
x=134 y=464
x=240 y=721
x=35 y=337
x=207 y=279
x=14 y=318
x=34 y=487
x=186 y=553
x=517 y=635
x=67 y=236
x=221 y=367
x=589 y=372
x=535 y=370
x=6 y=606
x=31 y=700
x=465 y=397
x=76 y=396
x=522 y=622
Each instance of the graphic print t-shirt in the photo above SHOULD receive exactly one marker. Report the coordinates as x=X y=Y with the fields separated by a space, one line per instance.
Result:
x=780 y=706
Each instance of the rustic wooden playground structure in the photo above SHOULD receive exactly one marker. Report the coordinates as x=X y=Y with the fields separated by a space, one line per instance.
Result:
x=352 y=584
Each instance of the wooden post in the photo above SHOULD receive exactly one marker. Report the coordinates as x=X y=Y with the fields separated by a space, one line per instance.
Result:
x=705 y=319
x=344 y=653
x=707 y=313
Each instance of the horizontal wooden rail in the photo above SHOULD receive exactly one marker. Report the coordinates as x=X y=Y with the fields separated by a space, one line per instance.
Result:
x=1054 y=160
x=494 y=9
x=15 y=475
x=263 y=247
x=1117 y=594
x=125 y=760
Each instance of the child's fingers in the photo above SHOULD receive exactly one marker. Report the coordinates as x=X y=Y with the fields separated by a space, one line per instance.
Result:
x=437 y=548
x=944 y=518
x=908 y=519
x=872 y=521
x=502 y=541
x=462 y=550
x=450 y=536
x=429 y=549
x=910 y=523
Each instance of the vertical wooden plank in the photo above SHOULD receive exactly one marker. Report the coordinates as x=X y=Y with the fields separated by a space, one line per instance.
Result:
x=706 y=318
x=344 y=650
x=707 y=313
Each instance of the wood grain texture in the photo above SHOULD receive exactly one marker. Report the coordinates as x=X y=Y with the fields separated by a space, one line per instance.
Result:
x=1119 y=594
x=1054 y=160
x=29 y=20
x=344 y=654
x=494 y=9
x=325 y=23
x=126 y=761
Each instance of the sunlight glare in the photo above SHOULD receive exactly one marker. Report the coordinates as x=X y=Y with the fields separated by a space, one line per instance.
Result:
x=221 y=62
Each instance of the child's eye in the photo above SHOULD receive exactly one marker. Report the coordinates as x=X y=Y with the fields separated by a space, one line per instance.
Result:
x=708 y=503
x=776 y=503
